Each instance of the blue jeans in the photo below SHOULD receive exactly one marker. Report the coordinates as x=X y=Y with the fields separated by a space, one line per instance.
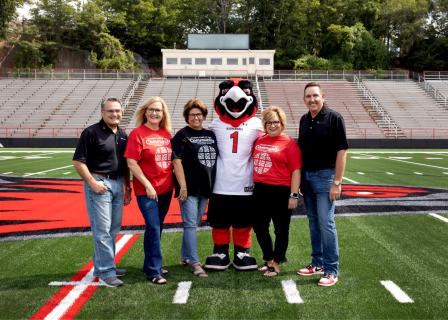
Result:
x=191 y=210
x=105 y=213
x=320 y=211
x=154 y=213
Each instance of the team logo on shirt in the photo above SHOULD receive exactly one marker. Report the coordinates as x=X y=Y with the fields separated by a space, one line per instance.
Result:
x=207 y=156
x=157 y=141
x=163 y=157
x=262 y=162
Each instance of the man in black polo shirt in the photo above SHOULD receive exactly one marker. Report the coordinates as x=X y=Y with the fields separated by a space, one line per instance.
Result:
x=99 y=161
x=323 y=143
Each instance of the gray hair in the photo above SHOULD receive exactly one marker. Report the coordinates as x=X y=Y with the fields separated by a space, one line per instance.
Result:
x=104 y=101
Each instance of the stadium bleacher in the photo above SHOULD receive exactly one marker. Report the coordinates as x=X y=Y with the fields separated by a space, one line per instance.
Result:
x=62 y=108
x=341 y=96
x=31 y=107
x=411 y=107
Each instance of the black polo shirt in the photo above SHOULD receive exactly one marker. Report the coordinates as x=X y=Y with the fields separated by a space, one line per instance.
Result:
x=102 y=150
x=320 y=139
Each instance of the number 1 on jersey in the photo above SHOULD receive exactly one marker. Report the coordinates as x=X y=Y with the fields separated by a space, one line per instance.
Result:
x=234 y=137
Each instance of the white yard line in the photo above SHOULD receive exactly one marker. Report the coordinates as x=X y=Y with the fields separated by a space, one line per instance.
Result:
x=390 y=173
x=399 y=152
x=45 y=171
x=182 y=293
x=75 y=283
x=418 y=173
x=438 y=217
x=360 y=173
x=37 y=151
x=411 y=162
x=9 y=172
x=291 y=292
x=350 y=180
x=396 y=292
x=77 y=290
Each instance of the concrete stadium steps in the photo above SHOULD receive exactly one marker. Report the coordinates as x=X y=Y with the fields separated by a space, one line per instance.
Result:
x=341 y=96
x=413 y=109
x=176 y=92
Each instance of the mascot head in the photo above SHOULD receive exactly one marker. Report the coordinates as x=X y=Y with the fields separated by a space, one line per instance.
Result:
x=236 y=102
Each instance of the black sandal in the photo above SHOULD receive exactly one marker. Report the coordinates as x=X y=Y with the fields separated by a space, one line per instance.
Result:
x=158 y=280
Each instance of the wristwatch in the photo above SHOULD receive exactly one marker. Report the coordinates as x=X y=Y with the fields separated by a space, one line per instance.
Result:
x=294 y=195
x=337 y=183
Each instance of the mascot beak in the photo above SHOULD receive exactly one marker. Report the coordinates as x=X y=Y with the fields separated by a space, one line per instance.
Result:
x=236 y=101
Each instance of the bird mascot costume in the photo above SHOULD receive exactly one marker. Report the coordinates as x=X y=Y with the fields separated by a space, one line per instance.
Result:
x=230 y=207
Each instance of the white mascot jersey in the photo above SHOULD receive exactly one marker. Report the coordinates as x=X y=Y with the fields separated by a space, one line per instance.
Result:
x=235 y=166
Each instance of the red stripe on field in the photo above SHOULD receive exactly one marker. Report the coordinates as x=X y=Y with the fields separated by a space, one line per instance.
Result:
x=79 y=303
x=86 y=294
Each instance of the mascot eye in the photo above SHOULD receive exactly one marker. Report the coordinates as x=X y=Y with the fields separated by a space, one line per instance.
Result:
x=224 y=91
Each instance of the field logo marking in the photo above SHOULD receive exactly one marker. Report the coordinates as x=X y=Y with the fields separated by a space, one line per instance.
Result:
x=396 y=292
x=70 y=299
x=182 y=292
x=291 y=292
x=438 y=217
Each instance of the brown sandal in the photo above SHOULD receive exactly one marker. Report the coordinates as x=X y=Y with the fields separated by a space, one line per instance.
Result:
x=271 y=272
x=197 y=270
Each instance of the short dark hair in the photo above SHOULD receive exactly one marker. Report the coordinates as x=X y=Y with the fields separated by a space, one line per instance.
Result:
x=195 y=103
x=104 y=101
x=312 y=84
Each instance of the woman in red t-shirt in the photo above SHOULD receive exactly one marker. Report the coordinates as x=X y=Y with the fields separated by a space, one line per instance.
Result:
x=277 y=163
x=148 y=154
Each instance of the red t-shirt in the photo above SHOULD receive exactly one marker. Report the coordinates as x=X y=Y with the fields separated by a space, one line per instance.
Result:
x=152 y=151
x=275 y=158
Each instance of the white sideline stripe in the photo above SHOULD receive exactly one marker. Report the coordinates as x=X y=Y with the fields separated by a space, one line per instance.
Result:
x=32 y=174
x=77 y=290
x=74 y=283
x=438 y=217
x=7 y=172
x=417 y=163
x=396 y=291
x=291 y=292
x=182 y=292
x=350 y=180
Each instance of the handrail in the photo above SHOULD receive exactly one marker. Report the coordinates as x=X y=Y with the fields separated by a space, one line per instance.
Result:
x=260 y=100
x=131 y=92
x=376 y=105
x=435 y=93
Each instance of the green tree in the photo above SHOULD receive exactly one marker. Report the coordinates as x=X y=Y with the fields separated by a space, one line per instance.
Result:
x=29 y=54
x=7 y=13
x=55 y=20
x=110 y=54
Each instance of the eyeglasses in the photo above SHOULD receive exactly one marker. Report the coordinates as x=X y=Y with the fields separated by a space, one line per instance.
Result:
x=195 y=115
x=113 y=111
x=151 y=110
x=272 y=123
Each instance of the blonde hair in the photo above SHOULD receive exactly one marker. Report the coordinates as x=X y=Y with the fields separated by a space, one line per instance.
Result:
x=140 y=115
x=270 y=112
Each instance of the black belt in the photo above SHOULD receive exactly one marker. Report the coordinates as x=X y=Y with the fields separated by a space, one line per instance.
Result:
x=108 y=176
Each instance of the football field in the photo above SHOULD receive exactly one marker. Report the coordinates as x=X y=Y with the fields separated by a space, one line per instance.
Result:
x=391 y=265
